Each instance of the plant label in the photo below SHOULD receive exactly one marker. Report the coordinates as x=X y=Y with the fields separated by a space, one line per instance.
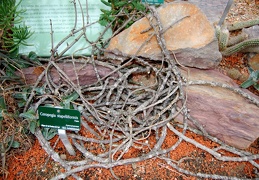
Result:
x=58 y=118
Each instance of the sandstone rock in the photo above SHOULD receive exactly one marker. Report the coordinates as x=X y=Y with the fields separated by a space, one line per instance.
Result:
x=254 y=62
x=223 y=113
x=192 y=39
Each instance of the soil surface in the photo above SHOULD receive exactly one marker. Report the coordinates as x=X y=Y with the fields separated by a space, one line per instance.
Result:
x=34 y=163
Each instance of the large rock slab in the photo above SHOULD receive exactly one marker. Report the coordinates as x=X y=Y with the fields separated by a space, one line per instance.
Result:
x=83 y=73
x=192 y=39
x=223 y=113
x=211 y=8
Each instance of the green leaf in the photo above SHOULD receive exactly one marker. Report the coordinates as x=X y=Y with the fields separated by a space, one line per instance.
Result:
x=21 y=95
x=15 y=144
x=247 y=83
x=34 y=58
x=32 y=55
x=103 y=22
x=139 y=6
x=250 y=70
x=2 y=103
x=30 y=114
x=69 y=98
x=107 y=12
x=21 y=103
x=49 y=133
x=39 y=90
x=255 y=75
x=106 y=3
x=256 y=86
x=1 y=118
x=120 y=3
x=33 y=126
x=2 y=107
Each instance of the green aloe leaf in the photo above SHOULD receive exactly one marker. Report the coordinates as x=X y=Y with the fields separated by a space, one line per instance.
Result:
x=256 y=86
x=247 y=83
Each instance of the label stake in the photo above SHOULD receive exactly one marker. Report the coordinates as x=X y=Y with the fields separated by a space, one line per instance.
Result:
x=63 y=136
x=61 y=119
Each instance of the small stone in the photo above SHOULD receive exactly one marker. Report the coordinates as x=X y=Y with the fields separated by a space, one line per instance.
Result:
x=63 y=156
x=254 y=62
x=253 y=33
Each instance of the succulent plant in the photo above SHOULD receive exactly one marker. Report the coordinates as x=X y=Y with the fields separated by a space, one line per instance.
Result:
x=253 y=79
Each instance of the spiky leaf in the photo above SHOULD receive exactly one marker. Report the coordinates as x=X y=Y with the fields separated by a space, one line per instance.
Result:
x=247 y=83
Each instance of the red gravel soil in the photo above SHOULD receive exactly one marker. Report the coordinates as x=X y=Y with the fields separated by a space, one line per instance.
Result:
x=35 y=163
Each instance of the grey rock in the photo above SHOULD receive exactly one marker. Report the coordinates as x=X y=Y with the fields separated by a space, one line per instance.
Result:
x=211 y=8
x=253 y=32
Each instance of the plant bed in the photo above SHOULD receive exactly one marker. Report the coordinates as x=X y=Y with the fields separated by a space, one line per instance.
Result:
x=127 y=130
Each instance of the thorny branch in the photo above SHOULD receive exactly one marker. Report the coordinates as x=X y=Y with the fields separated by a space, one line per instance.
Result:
x=121 y=113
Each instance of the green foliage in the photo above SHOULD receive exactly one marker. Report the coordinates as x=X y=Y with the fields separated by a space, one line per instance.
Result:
x=31 y=117
x=121 y=11
x=66 y=100
x=49 y=133
x=7 y=142
x=253 y=79
x=19 y=36
x=22 y=97
x=12 y=36
x=2 y=108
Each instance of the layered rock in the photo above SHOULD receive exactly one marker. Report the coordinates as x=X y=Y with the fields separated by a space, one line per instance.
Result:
x=191 y=39
x=223 y=113
x=81 y=73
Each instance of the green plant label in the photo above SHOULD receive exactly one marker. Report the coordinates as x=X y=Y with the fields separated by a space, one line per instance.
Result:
x=153 y=1
x=67 y=119
x=62 y=14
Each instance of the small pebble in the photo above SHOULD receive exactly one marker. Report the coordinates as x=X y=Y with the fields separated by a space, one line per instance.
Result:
x=63 y=156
